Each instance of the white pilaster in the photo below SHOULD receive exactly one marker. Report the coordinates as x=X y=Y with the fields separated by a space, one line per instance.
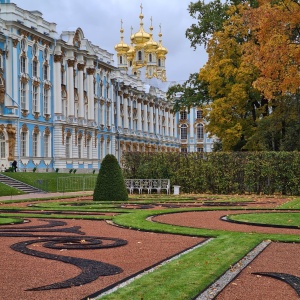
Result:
x=91 y=105
x=70 y=87
x=80 y=68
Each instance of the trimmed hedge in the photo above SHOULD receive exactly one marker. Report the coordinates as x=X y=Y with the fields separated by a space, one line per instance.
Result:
x=220 y=172
x=110 y=185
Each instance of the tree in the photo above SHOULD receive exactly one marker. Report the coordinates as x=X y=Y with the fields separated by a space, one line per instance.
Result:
x=110 y=185
x=232 y=115
x=191 y=93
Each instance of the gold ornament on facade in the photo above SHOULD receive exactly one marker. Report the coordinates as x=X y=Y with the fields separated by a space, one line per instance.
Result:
x=80 y=67
x=71 y=63
x=47 y=131
x=69 y=134
x=11 y=132
x=63 y=134
x=76 y=39
x=90 y=71
x=47 y=117
x=15 y=42
x=36 y=115
x=36 y=129
x=24 y=113
x=102 y=138
x=58 y=58
x=95 y=138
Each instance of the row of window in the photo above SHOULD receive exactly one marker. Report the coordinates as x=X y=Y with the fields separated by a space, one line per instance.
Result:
x=199 y=131
x=37 y=145
x=183 y=115
x=35 y=98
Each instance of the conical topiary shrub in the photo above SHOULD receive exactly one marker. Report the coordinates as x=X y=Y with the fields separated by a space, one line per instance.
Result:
x=110 y=185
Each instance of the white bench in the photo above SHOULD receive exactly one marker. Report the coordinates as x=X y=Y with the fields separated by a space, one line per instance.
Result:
x=147 y=184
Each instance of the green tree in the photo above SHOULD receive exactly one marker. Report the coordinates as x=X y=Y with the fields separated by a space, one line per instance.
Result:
x=110 y=185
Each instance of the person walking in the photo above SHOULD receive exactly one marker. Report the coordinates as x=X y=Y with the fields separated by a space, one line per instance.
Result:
x=14 y=165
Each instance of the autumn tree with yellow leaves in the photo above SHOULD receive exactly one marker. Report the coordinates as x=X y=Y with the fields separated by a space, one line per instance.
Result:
x=252 y=74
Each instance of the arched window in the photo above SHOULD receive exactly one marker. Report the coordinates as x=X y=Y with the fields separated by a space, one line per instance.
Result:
x=140 y=55
x=121 y=60
x=183 y=132
x=150 y=57
x=35 y=68
x=46 y=101
x=46 y=145
x=45 y=72
x=35 y=145
x=199 y=114
x=159 y=62
x=79 y=144
x=183 y=115
x=23 y=64
x=2 y=145
x=23 y=92
x=23 y=148
x=200 y=131
x=68 y=145
x=35 y=98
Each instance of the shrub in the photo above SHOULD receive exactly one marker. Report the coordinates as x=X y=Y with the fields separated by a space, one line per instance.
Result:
x=56 y=170
x=74 y=171
x=110 y=185
x=34 y=169
x=70 y=171
x=94 y=171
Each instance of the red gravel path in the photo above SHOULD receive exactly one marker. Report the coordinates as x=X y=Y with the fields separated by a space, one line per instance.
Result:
x=277 y=257
x=211 y=220
x=19 y=272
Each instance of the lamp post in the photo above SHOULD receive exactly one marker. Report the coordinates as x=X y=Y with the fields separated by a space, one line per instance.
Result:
x=16 y=105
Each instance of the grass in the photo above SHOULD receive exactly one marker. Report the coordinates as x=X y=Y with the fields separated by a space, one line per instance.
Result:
x=282 y=219
x=294 y=204
x=191 y=273
x=6 y=190
x=46 y=181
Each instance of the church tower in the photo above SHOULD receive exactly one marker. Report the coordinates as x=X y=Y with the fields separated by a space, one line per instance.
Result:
x=144 y=58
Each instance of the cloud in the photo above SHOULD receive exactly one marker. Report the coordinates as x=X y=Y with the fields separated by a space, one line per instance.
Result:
x=100 y=22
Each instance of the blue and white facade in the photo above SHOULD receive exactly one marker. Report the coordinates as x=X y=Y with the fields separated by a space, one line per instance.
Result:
x=63 y=103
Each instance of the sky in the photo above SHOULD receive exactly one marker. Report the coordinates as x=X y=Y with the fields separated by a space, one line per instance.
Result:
x=100 y=21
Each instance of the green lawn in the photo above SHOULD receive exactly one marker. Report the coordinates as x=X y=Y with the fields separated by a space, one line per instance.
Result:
x=282 y=219
x=187 y=276
x=48 y=181
x=6 y=190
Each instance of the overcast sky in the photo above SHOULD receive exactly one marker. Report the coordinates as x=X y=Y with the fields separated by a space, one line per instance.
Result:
x=100 y=21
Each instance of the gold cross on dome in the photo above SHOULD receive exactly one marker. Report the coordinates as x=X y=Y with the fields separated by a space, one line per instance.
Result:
x=141 y=8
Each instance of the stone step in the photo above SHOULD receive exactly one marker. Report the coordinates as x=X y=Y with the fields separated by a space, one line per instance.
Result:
x=19 y=185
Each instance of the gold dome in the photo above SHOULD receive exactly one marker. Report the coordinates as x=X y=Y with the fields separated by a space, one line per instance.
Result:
x=161 y=50
x=140 y=37
x=122 y=47
x=151 y=44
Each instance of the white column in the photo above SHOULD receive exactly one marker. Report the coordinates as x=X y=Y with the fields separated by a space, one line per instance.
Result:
x=145 y=118
x=151 y=118
x=125 y=113
x=139 y=115
x=167 y=123
x=171 y=124
x=91 y=104
x=57 y=84
x=102 y=110
x=119 y=121
x=70 y=87
x=80 y=68
x=191 y=122
x=156 y=119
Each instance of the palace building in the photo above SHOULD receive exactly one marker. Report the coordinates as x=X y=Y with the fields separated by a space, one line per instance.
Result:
x=63 y=103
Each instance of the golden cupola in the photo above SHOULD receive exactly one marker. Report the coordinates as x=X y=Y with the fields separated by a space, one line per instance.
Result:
x=161 y=50
x=151 y=45
x=122 y=47
x=141 y=37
